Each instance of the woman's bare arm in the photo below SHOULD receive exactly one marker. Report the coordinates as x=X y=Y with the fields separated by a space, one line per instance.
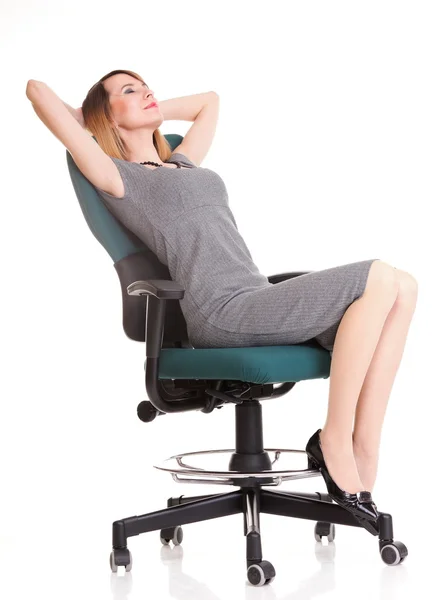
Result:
x=92 y=161
x=77 y=114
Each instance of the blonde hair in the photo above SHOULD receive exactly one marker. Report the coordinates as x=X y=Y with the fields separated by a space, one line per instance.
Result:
x=97 y=115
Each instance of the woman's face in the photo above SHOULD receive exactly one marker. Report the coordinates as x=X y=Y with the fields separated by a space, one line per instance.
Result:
x=128 y=96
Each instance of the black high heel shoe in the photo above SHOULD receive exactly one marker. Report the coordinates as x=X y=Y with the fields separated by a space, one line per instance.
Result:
x=361 y=505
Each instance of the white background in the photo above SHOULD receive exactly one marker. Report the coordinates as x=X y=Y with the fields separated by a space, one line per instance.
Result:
x=331 y=142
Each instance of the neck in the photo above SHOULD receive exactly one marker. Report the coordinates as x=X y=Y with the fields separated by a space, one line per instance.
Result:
x=139 y=145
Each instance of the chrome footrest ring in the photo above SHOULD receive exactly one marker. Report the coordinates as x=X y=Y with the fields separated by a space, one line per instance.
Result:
x=176 y=466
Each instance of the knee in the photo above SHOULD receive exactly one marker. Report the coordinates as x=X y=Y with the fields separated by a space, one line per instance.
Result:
x=384 y=277
x=407 y=287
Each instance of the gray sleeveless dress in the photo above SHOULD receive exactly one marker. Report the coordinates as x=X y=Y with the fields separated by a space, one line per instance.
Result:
x=183 y=216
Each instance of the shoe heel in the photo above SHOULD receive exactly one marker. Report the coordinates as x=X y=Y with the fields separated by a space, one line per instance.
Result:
x=312 y=464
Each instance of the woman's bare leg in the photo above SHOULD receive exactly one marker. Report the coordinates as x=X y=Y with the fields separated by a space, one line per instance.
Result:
x=378 y=383
x=356 y=340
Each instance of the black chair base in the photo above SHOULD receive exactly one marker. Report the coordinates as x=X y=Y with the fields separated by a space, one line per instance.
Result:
x=250 y=502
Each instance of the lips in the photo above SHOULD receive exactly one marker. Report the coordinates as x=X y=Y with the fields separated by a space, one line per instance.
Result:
x=150 y=105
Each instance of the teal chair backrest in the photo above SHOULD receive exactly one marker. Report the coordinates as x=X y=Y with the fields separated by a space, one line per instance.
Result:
x=117 y=240
x=133 y=260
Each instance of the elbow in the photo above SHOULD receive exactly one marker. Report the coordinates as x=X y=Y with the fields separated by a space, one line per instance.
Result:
x=30 y=86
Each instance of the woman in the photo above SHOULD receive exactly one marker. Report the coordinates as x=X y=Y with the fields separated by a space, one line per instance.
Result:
x=360 y=312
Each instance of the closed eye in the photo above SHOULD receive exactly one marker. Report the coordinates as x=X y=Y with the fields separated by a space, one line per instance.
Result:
x=130 y=90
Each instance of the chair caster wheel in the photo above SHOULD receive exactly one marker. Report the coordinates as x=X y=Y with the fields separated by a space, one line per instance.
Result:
x=174 y=534
x=393 y=553
x=261 y=573
x=323 y=528
x=146 y=411
x=120 y=557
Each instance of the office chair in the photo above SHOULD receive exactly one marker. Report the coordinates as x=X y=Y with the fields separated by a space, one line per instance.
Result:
x=181 y=378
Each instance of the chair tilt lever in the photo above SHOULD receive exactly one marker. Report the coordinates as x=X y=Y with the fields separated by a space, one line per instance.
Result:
x=247 y=391
x=223 y=396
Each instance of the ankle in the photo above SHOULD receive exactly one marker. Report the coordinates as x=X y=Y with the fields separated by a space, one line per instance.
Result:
x=368 y=482
x=364 y=450
x=367 y=468
x=332 y=440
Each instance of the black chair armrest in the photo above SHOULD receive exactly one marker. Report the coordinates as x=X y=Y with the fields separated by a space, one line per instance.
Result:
x=160 y=290
x=163 y=289
x=284 y=276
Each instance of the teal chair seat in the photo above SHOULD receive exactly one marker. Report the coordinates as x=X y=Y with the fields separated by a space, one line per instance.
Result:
x=257 y=364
